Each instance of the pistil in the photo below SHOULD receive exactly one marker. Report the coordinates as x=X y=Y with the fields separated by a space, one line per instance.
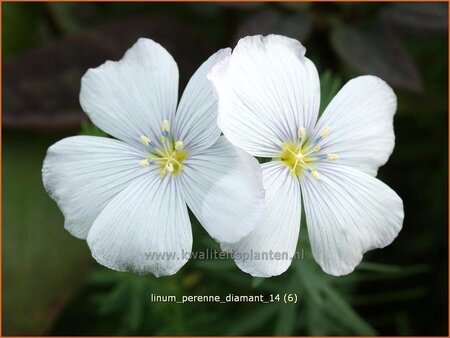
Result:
x=169 y=154
x=303 y=154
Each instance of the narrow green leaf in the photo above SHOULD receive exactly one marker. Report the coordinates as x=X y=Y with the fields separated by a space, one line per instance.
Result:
x=90 y=129
x=392 y=269
x=285 y=325
x=339 y=309
x=257 y=281
x=255 y=319
x=329 y=87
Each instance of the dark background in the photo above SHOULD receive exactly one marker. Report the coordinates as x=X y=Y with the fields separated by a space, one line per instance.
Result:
x=52 y=286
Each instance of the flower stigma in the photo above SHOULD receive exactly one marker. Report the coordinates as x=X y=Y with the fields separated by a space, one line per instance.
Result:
x=168 y=154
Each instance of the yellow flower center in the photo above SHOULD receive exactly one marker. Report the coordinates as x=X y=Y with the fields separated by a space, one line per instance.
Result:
x=300 y=155
x=293 y=156
x=168 y=153
x=171 y=159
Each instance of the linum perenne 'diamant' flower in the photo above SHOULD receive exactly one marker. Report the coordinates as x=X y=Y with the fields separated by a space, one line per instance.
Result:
x=269 y=96
x=127 y=196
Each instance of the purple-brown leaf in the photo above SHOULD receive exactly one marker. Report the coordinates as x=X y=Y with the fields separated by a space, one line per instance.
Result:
x=377 y=52
x=417 y=20
x=41 y=87
x=297 y=26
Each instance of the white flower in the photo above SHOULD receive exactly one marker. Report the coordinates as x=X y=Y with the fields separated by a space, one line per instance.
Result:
x=269 y=96
x=128 y=197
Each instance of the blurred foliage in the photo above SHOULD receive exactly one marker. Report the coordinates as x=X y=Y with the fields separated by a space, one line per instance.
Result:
x=37 y=278
x=322 y=308
x=48 y=286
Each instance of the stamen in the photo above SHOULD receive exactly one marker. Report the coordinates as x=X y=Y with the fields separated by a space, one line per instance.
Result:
x=289 y=151
x=302 y=133
x=174 y=160
x=316 y=149
x=332 y=157
x=179 y=145
x=167 y=153
x=325 y=132
x=166 y=126
x=315 y=174
x=306 y=165
x=144 y=163
x=144 y=140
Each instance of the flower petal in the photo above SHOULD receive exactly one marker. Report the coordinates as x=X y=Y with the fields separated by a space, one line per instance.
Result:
x=348 y=213
x=83 y=173
x=277 y=235
x=222 y=187
x=133 y=96
x=144 y=229
x=360 y=120
x=267 y=90
x=196 y=117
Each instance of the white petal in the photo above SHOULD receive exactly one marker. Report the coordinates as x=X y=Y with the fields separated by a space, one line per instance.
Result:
x=348 y=213
x=360 y=119
x=279 y=229
x=133 y=96
x=267 y=90
x=144 y=229
x=196 y=117
x=83 y=173
x=224 y=191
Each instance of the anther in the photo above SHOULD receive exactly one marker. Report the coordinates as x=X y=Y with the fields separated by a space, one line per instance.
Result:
x=144 y=140
x=166 y=126
x=316 y=149
x=302 y=133
x=179 y=145
x=315 y=174
x=325 y=132
x=332 y=157
x=162 y=139
x=144 y=163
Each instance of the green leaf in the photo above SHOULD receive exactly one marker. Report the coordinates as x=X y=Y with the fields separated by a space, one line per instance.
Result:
x=338 y=308
x=91 y=129
x=309 y=281
x=317 y=323
x=257 y=281
x=392 y=269
x=286 y=321
x=329 y=87
x=253 y=320
x=390 y=296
